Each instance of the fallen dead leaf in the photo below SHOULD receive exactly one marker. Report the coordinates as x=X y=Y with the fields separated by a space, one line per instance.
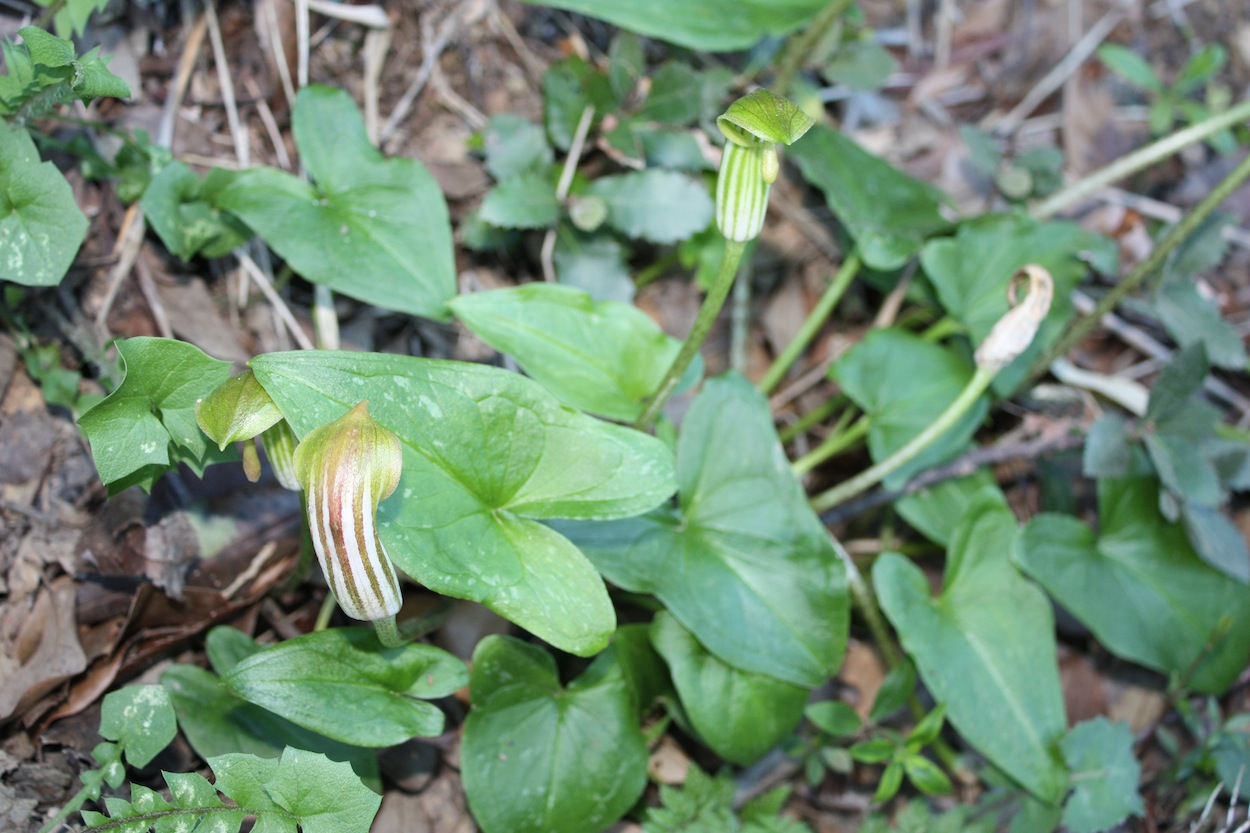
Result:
x=669 y=763
x=38 y=648
x=1083 y=694
x=863 y=671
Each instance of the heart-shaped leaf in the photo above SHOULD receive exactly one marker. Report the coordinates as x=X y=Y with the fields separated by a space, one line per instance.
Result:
x=602 y=357
x=141 y=719
x=217 y=722
x=903 y=382
x=743 y=563
x=373 y=228
x=343 y=684
x=889 y=213
x=539 y=758
x=971 y=272
x=41 y=227
x=985 y=647
x=148 y=424
x=485 y=452
x=739 y=714
x=1140 y=587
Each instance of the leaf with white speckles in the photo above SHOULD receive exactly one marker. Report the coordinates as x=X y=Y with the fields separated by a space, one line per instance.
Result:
x=41 y=226
x=147 y=426
x=487 y=454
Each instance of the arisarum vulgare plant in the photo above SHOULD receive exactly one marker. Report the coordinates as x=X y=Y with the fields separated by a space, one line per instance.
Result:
x=346 y=468
x=753 y=127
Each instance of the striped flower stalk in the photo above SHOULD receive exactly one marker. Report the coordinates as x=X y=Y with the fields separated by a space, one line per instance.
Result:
x=346 y=468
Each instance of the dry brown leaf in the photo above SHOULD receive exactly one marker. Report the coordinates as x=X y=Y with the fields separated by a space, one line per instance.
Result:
x=669 y=763
x=439 y=809
x=862 y=670
x=1083 y=694
x=38 y=648
x=194 y=318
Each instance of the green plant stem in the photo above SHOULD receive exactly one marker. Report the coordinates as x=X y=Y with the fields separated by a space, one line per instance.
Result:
x=388 y=632
x=816 y=415
x=698 y=333
x=1175 y=236
x=325 y=612
x=863 y=600
x=800 y=47
x=942 y=328
x=812 y=324
x=1139 y=159
x=875 y=474
x=835 y=443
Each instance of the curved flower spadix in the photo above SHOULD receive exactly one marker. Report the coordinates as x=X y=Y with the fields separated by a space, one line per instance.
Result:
x=280 y=442
x=346 y=468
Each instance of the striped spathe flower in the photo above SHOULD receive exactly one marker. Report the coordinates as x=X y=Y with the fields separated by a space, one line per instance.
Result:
x=346 y=468
x=742 y=190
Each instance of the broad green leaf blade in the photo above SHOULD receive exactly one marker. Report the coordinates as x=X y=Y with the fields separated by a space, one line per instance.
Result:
x=41 y=227
x=655 y=205
x=605 y=357
x=141 y=719
x=485 y=452
x=889 y=213
x=971 y=271
x=706 y=25
x=216 y=722
x=739 y=714
x=372 y=228
x=538 y=758
x=744 y=564
x=345 y=685
x=1140 y=587
x=985 y=647
x=903 y=382
x=148 y=424
x=304 y=788
x=1105 y=773
x=523 y=201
